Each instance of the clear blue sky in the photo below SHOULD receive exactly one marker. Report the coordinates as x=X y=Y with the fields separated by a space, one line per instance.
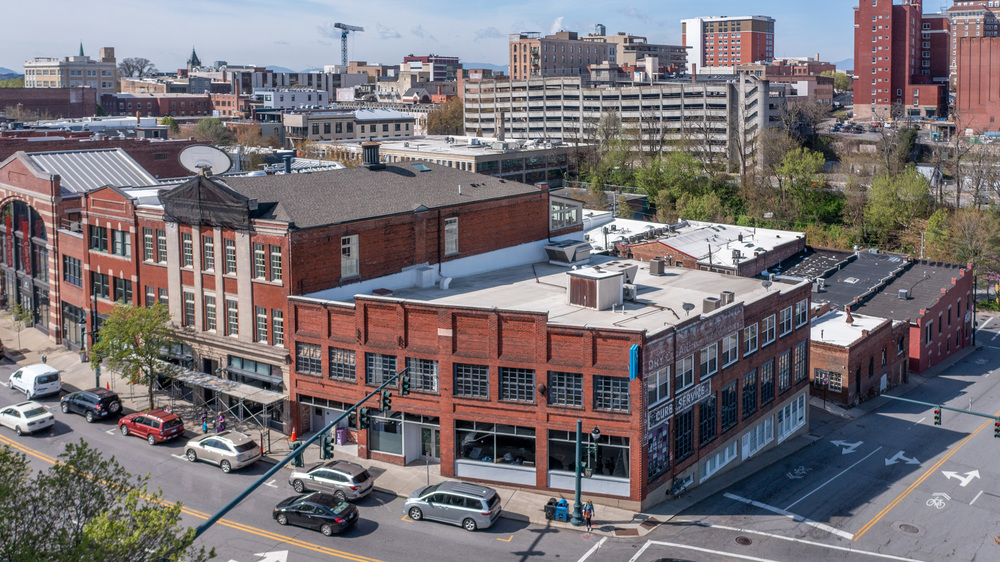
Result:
x=295 y=33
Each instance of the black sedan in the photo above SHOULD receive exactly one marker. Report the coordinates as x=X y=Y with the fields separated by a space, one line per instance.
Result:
x=317 y=511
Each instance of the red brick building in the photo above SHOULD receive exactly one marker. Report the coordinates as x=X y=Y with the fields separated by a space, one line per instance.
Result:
x=728 y=40
x=855 y=357
x=80 y=101
x=977 y=99
x=503 y=363
x=158 y=157
x=158 y=105
x=894 y=78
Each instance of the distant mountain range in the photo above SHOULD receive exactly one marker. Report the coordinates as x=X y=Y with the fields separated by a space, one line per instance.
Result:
x=846 y=64
x=8 y=71
x=493 y=67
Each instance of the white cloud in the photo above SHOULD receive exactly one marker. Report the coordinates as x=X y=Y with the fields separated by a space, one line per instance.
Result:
x=633 y=12
x=421 y=33
x=327 y=30
x=385 y=32
x=556 y=26
x=489 y=33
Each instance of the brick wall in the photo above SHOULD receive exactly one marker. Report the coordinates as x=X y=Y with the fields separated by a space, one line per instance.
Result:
x=58 y=102
x=857 y=358
x=951 y=319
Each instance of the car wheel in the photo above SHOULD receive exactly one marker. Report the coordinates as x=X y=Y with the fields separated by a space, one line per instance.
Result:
x=326 y=529
x=191 y=455
x=124 y=430
x=282 y=519
x=225 y=466
x=298 y=486
x=151 y=439
x=115 y=407
x=65 y=408
x=90 y=417
x=17 y=430
x=469 y=524
x=415 y=513
x=340 y=495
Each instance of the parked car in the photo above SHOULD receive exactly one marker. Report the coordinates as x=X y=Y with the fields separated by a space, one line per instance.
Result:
x=26 y=417
x=317 y=511
x=155 y=426
x=93 y=404
x=459 y=503
x=345 y=480
x=36 y=380
x=230 y=450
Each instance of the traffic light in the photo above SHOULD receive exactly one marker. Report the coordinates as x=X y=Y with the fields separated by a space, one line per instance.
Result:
x=297 y=459
x=326 y=447
x=937 y=416
x=363 y=418
x=996 y=428
x=386 y=402
x=404 y=384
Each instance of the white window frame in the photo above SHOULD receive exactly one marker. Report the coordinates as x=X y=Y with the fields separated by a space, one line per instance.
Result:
x=730 y=349
x=708 y=360
x=657 y=380
x=750 y=339
x=758 y=437
x=785 y=321
x=685 y=373
x=716 y=462
x=210 y=317
x=791 y=417
x=801 y=313
x=232 y=317
x=349 y=262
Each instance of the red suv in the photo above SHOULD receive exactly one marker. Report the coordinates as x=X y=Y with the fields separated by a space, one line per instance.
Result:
x=154 y=426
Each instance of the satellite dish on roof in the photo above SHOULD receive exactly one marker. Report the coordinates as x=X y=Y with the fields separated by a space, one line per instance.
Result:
x=204 y=159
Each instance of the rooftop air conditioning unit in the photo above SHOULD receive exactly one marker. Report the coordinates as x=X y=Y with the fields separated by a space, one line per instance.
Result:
x=710 y=304
x=727 y=297
x=656 y=266
x=629 y=292
x=568 y=253
x=904 y=294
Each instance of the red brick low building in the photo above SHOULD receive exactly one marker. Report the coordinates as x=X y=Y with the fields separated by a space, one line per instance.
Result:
x=504 y=362
x=855 y=357
x=57 y=102
x=158 y=157
x=977 y=97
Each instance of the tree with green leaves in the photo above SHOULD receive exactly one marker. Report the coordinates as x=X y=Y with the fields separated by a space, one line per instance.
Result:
x=894 y=202
x=214 y=131
x=169 y=121
x=797 y=177
x=841 y=81
x=12 y=83
x=87 y=507
x=132 y=339
x=447 y=119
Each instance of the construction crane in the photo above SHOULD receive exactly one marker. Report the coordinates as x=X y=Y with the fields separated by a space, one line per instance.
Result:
x=344 y=30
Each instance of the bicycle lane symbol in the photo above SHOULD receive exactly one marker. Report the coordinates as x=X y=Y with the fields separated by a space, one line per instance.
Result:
x=938 y=500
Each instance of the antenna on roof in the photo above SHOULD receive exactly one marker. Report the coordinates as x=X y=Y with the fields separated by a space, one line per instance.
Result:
x=688 y=307
x=205 y=160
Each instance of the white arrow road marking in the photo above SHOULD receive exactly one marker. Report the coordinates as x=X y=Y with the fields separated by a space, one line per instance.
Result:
x=273 y=556
x=182 y=457
x=111 y=431
x=964 y=480
x=900 y=457
x=271 y=484
x=848 y=447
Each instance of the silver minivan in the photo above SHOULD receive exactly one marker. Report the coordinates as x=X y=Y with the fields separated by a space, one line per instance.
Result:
x=469 y=505
x=230 y=450
x=36 y=380
x=344 y=479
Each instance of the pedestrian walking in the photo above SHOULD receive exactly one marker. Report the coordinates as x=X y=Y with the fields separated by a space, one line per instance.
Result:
x=221 y=425
x=588 y=514
x=204 y=421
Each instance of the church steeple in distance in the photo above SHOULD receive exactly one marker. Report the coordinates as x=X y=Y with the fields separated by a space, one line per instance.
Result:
x=194 y=62
x=81 y=48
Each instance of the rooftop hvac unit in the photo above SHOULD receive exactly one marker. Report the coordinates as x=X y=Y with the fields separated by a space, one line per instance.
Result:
x=629 y=292
x=904 y=294
x=727 y=297
x=628 y=270
x=656 y=266
x=710 y=304
x=568 y=252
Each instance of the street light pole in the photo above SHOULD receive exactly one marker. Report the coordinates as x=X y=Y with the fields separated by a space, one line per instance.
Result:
x=577 y=518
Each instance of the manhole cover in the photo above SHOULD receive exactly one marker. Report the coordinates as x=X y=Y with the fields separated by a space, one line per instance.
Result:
x=745 y=541
x=906 y=528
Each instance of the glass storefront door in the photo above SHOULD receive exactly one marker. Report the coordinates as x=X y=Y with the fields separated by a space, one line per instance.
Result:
x=430 y=442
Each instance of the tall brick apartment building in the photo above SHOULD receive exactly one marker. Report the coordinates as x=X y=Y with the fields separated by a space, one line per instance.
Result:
x=685 y=374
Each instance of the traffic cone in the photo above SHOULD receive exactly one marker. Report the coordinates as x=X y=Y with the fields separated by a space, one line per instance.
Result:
x=107 y=385
x=292 y=438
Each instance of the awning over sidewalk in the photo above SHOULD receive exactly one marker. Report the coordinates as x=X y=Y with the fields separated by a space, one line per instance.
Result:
x=234 y=389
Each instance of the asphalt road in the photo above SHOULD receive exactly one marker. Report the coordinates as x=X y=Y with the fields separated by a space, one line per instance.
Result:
x=249 y=534
x=889 y=485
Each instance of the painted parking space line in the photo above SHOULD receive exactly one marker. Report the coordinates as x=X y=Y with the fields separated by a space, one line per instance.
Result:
x=988 y=320
x=697 y=549
x=799 y=518
x=976 y=498
x=271 y=484
x=182 y=457
x=812 y=543
x=839 y=474
x=590 y=552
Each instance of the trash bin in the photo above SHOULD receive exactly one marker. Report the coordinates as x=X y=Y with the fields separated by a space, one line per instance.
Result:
x=562 y=510
x=341 y=437
x=550 y=509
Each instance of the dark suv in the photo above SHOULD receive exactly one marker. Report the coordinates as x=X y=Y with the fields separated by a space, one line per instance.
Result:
x=93 y=404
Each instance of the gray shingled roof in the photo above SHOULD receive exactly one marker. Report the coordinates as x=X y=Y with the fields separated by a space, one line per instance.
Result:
x=342 y=196
x=84 y=170
x=924 y=281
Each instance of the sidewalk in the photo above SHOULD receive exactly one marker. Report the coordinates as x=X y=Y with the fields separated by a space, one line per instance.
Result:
x=398 y=480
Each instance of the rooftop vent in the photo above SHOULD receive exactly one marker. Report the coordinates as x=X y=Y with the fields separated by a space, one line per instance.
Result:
x=727 y=297
x=904 y=294
x=568 y=252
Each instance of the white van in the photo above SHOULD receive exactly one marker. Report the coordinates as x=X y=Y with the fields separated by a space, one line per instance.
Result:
x=36 y=380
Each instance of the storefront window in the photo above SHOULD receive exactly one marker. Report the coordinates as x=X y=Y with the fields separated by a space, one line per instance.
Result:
x=612 y=457
x=495 y=443
x=386 y=434
x=658 y=461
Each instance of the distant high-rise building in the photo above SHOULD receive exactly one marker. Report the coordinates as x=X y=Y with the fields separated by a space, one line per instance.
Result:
x=970 y=18
x=68 y=72
x=900 y=60
x=440 y=68
x=728 y=41
x=562 y=54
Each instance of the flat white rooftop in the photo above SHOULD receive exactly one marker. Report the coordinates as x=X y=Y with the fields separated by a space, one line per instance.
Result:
x=542 y=287
x=832 y=327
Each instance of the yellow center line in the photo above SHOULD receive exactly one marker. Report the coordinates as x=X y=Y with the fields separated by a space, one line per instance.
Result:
x=920 y=480
x=225 y=522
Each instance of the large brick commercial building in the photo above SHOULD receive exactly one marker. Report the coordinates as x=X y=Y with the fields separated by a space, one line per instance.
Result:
x=728 y=41
x=684 y=374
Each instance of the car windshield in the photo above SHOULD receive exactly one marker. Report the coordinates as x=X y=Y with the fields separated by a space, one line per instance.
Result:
x=34 y=412
x=248 y=446
x=430 y=490
x=46 y=379
x=172 y=423
x=358 y=478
